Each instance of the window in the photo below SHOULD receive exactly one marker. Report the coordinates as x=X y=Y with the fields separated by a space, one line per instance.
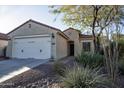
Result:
x=86 y=46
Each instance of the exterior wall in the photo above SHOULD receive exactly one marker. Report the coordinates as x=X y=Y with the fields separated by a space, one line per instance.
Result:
x=74 y=36
x=35 y=29
x=3 y=44
x=61 y=47
x=9 y=49
x=53 y=46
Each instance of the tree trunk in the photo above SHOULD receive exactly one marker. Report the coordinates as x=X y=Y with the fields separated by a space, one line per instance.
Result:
x=95 y=12
x=98 y=45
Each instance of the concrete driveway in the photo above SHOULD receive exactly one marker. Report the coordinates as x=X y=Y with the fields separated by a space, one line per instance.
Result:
x=13 y=67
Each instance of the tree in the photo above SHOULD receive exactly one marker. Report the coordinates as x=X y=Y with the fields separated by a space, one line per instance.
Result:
x=95 y=17
x=111 y=50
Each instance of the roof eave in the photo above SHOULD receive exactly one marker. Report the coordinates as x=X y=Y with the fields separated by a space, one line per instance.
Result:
x=36 y=23
x=63 y=35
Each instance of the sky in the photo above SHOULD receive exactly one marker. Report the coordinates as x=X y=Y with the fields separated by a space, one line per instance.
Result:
x=13 y=16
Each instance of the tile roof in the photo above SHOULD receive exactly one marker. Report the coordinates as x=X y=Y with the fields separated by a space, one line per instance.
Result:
x=42 y=25
x=71 y=29
x=80 y=34
x=30 y=20
x=3 y=36
x=86 y=36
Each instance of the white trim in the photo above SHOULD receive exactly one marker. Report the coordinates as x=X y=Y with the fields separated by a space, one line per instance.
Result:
x=29 y=36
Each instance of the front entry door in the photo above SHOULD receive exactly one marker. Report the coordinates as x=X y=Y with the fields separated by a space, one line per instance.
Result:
x=71 y=49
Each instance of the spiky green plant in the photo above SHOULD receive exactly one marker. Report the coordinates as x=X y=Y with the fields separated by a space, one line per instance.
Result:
x=80 y=77
x=90 y=59
x=59 y=68
x=121 y=47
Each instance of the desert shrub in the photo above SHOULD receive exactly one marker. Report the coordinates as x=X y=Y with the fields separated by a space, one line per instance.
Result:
x=59 y=68
x=121 y=56
x=80 y=77
x=89 y=59
x=121 y=65
x=121 y=48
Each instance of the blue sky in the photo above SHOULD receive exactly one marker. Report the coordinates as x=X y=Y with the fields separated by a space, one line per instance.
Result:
x=13 y=16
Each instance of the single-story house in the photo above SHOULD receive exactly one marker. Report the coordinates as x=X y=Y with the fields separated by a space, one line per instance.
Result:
x=3 y=43
x=37 y=40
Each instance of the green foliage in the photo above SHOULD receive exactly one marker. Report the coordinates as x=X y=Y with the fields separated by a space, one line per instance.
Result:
x=93 y=18
x=89 y=59
x=82 y=16
x=80 y=77
x=121 y=65
x=121 y=48
x=59 y=68
x=121 y=56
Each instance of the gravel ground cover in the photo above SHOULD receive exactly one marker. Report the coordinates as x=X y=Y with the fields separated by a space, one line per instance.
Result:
x=41 y=76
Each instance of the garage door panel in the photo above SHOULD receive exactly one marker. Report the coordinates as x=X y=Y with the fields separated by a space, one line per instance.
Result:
x=39 y=48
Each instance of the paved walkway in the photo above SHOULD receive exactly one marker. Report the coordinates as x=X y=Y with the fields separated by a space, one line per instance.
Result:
x=13 y=67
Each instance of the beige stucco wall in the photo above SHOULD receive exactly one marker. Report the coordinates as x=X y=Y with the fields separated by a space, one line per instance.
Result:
x=37 y=29
x=3 y=44
x=9 y=49
x=74 y=36
x=61 y=47
x=78 y=41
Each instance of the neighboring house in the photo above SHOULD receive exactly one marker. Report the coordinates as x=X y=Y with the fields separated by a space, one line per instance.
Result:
x=36 y=40
x=3 y=43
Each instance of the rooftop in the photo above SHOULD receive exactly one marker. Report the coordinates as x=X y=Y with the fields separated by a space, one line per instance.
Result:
x=3 y=36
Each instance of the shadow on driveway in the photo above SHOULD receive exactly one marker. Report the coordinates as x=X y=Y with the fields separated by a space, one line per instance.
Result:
x=13 y=67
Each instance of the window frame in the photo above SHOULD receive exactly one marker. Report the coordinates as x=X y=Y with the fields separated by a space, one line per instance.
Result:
x=87 y=47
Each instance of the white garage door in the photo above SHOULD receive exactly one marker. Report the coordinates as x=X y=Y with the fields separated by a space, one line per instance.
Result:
x=33 y=47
